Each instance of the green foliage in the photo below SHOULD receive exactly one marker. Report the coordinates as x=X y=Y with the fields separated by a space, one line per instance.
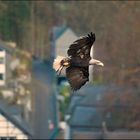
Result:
x=13 y=16
x=63 y=105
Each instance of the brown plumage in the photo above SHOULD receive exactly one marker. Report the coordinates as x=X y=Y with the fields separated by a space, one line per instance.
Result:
x=78 y=61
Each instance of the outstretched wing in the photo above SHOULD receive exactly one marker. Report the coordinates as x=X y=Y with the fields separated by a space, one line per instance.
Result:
x=77 y=76
x=81 y=47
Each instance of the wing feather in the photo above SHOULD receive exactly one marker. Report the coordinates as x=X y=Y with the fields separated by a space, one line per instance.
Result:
x=81 y=47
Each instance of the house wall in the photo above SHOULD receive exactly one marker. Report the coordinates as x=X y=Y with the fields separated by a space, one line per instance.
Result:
x=2 y=67
x=7 y=129
x=8 y=69
x=5 y=67
x=64 y=41
x=62 y=44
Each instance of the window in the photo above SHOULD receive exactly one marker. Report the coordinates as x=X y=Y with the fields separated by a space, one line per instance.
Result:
x=1 y=60
x=1 y=76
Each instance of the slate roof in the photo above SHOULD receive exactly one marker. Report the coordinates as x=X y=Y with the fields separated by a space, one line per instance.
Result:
x=86 y=107
x=82 y=109
x=57 y=31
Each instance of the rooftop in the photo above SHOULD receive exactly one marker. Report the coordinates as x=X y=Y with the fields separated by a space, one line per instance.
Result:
x=13 y=114
x=87 y=107
x=58 y=31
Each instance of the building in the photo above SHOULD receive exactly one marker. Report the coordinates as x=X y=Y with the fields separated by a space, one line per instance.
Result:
x=14 y=91
x=61 y=38
x=12 y=126
x=2 y=67
x=6 y=59
x=64 y=40
x=91 y=116
x=85 y=114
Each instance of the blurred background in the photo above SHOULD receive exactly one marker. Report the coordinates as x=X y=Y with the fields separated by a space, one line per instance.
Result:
x=35 y=102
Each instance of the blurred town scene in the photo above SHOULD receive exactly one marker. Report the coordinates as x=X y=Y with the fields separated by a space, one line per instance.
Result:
x=36 y=102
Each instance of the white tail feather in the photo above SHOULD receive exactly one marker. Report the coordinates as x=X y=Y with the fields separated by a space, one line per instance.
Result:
x=56 y=63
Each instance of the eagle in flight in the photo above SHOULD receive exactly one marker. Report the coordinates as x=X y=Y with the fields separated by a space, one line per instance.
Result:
x=78 y=61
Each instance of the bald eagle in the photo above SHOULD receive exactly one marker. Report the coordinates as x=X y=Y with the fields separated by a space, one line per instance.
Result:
x=78 y=61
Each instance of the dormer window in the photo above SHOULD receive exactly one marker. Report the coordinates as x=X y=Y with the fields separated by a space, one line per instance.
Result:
x=1 y=76
x=1 y=60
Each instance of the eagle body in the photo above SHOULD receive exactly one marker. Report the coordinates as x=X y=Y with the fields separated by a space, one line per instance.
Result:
x=78 y=61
